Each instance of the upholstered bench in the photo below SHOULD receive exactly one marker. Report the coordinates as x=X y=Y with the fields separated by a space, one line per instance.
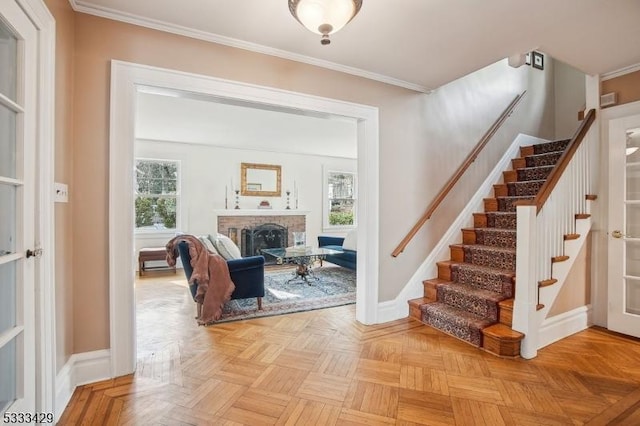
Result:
x=149 y=254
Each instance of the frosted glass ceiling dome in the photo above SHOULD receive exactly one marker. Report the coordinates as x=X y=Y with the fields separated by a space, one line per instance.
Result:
x=324 y=17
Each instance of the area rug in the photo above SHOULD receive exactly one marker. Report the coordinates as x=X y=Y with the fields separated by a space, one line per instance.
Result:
x=335 y=286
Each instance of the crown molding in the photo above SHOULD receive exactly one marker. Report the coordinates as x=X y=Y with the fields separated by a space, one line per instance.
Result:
x=620 y=72
x=104 y=12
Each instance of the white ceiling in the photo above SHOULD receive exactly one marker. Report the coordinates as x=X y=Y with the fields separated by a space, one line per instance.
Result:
x=180 y=117
x=420 y=44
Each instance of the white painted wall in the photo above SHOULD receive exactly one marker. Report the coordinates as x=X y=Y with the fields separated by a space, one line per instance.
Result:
x=206 y=171
x=570 y=95
x=430 y=145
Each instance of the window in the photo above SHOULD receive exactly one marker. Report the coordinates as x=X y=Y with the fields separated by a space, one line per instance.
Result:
x=156 y=190
x=340 y=200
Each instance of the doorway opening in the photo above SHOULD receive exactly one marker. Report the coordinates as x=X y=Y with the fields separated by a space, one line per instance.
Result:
x=127 y=81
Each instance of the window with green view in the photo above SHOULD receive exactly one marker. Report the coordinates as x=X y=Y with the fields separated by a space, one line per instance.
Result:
x=340 y=211
x=156 y=190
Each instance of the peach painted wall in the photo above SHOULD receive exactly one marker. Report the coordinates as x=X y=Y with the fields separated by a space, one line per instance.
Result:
x=576 y=291
x=65 y=40
x=626 y=86
x=415 y=159
x=98 y=41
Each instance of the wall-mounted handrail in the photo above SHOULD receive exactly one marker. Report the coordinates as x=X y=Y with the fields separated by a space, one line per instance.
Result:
x=458 y=174
x=562 y=163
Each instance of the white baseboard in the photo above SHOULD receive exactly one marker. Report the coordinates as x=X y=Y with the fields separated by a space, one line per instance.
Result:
x=399 y=308
x=564 y=325
x=391 y=311
x=82 y=368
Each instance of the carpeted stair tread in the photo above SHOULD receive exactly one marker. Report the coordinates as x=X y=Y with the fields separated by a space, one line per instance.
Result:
x=500 y=257
x=477 y=301
x=501 y=220
x=483 y=277
x=508 y=204
x=553 y=146
x=496 y=237
x=546 y=159
x=533 y=173
x=524 y=188
x=456 y=322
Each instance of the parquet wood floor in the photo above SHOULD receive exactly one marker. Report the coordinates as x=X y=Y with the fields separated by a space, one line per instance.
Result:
x=324 y=368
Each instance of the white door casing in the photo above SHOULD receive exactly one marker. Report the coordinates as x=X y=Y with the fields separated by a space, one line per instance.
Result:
x=624 y=226
x=126 y=80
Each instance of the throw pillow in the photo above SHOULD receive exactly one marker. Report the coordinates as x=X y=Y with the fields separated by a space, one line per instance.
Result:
x=207 y=242
x=227 y=248
x=351 y=241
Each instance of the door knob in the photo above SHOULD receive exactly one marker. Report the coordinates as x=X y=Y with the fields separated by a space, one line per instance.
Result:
x=34 y=253
x=617 y=234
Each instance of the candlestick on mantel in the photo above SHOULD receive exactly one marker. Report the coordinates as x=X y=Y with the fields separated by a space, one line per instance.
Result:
x=226 y=197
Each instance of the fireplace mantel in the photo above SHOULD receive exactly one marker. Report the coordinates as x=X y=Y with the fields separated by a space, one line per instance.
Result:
x=259 y=212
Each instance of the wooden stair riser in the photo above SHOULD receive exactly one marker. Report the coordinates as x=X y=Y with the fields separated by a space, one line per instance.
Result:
x=500 y=190
x=479 y=220
x=444 y=270
x=468 y=236
x=457 y=253
x=510 y=176
x=505 y=312
x=430 y=288
x=527 y=151
x=518 y=163
x=414 y=308
x=490 y=204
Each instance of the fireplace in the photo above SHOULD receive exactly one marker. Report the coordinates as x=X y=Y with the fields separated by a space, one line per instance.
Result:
x=268 y=235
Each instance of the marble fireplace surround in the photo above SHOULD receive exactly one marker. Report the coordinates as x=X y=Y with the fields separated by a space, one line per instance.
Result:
x=226 y=220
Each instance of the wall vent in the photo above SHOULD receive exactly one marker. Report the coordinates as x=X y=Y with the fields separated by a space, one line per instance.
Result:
x=608 y=99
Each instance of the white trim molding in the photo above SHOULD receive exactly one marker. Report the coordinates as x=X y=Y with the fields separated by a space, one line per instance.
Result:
x=82 y=368
x=620 y=72
x=126 y=79
x=564 y=325
x=116 y=15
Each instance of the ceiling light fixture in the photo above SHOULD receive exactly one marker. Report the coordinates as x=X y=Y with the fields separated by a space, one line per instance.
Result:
x=324 y=17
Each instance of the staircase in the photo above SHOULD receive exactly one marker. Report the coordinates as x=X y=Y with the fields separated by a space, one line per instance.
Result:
x=472 y=297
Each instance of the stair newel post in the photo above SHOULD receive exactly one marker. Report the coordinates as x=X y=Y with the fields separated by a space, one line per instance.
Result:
x=526 y=294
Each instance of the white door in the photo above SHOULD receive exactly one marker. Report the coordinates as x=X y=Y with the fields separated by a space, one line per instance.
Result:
x=624 y=225
x=18 y=83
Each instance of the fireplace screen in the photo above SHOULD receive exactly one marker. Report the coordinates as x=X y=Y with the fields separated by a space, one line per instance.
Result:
x=269 y=235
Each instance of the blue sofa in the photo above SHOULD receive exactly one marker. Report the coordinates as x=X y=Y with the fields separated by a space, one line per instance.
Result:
x=247 y=274
x=347 y=259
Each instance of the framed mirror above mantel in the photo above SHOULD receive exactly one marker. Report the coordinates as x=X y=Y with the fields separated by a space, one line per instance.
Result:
x=260 y=180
